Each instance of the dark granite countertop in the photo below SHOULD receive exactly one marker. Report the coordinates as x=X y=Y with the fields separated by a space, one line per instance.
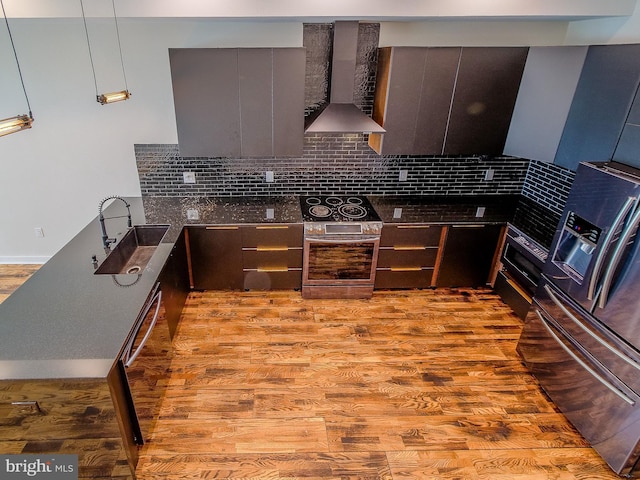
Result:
x=178 y=211
x=66 y=322
x=487 y=209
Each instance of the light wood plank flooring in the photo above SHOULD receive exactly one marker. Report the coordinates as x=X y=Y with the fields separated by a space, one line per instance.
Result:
x=410 y=384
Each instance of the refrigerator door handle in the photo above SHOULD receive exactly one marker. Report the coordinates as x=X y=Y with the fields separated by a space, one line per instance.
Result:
x=617 y=257
x=575 y=320
x=595 y=276
x=595 y=374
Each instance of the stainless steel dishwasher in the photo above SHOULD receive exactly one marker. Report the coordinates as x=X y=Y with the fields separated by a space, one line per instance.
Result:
x=146 y=361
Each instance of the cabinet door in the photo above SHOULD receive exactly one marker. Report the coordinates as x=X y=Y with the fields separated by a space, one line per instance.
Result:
x=408 y=256
x=486 y=90
x=206 y=98
x=628 y=149
x=548 y=84
x=288 y=101
x=237 y=102
x=215 y=257
x=412 y=99
x=174 y=282
x=256 y=85
x=468 y=256
x=604 y=94
x=272 y=256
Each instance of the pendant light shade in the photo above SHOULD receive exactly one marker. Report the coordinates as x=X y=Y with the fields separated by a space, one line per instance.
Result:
x=15 y=124
x=19 y=122
x=112 y=97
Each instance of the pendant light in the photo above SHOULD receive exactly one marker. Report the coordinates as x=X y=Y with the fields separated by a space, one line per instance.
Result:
x=112 y=97
x=19 y=122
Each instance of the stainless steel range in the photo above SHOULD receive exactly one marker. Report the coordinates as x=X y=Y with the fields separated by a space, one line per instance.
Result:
x=341 y=243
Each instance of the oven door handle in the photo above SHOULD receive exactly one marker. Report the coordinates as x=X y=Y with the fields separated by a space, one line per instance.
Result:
x=583 y=364
x=337 y=241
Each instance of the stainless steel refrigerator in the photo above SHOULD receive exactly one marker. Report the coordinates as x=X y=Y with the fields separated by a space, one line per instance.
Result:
x=581 y=337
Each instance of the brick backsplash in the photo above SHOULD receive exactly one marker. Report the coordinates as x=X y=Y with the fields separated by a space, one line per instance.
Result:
x=340 y=164
x=548 y=185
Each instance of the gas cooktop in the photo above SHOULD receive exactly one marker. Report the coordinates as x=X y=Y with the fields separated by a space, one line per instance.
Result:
x=334 y=208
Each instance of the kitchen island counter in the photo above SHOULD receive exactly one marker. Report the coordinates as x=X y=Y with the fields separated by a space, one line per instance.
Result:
x=67 y=322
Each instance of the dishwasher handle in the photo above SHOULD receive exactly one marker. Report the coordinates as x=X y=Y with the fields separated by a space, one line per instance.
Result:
x=130 y=357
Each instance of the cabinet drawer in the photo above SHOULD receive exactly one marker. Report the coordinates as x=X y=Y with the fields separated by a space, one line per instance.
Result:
x=272 y=259
x=272 y=235
x=407 y=257
x=410 y=235
x=273 y=280
x=409 y=278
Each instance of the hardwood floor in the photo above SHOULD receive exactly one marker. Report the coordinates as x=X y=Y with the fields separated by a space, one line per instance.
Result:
x=410 y=384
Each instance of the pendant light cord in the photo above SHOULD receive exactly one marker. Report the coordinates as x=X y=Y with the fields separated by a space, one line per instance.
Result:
x=86 y=31
x=115 y=18
x=15 y=54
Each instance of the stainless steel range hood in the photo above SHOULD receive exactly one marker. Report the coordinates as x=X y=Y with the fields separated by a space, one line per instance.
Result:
x=341 y=115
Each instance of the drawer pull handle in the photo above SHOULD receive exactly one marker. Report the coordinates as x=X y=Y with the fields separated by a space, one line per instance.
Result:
x=271 y=249
x=406 y=269
x=272 y=269
x=222 y=228
x=408 y=248
x=413 y=226
x=272 y=227
x=32 y=405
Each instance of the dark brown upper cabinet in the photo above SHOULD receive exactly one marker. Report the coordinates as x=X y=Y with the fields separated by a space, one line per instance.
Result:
x=445 y=100
x=239 y=102
x=601 y=105
x=628 y=148
x=548 y=85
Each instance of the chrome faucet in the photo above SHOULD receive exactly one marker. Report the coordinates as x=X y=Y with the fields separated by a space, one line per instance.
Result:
x=106 y=241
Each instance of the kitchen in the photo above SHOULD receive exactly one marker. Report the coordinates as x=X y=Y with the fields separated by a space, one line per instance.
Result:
x=151 y=150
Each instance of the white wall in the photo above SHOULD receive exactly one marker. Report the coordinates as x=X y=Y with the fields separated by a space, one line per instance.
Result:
x=54 y=175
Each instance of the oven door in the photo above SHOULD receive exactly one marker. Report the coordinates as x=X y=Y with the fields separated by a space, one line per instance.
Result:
x=340 y=259
x=524 y=270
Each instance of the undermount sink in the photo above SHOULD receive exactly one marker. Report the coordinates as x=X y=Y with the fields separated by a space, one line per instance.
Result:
x=132 y=253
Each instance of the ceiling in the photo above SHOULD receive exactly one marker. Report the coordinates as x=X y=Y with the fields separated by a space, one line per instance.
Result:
x=328 y=10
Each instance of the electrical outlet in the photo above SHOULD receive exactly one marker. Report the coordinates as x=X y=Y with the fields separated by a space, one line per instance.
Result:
x=39 y=232
x=193 y=214
x=397 y=212
x=268 y=176
x=189 y=177
x=480 y=212
x=270 y=213
x=488 y=175
x=403 y=175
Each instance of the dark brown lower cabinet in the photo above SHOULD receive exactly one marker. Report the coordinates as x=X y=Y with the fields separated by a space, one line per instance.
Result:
x=469 y=255
x=174 y=282
x=272 y=256
x=215 y=257
x=408 y=256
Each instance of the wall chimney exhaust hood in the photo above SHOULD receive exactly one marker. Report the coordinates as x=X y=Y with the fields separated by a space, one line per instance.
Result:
x=341 y=115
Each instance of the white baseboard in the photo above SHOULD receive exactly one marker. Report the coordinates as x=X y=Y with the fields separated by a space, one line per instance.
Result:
x=23 y=260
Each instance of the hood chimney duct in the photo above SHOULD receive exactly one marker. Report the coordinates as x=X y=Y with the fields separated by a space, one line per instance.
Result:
x=341 y=115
